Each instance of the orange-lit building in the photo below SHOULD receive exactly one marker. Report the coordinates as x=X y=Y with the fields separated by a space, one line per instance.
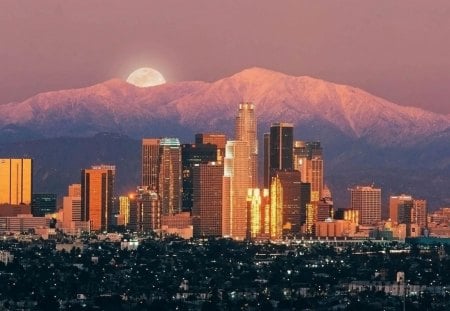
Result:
x=150 y=162
x=16 y=181
x=246 y=131
x=207 y=199
x=236 y=181
x=179 y=224
x=335 y=228
x=308 y=160
x=276 y=209
x=97 y=191
x=367 y=201
x=144 y=210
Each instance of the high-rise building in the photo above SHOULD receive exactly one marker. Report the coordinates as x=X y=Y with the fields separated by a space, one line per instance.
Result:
x=258 y=213
x=74 y=190
x=170 y=182
x=192 y=154
x=207 y=199
x=400 y=207
x=276 y=209
x=290 y=200
x=419 y=213
x=218 y=139
x=150 y=162
x=266 y=155
x=236 y=181
x=281 y=147
x=325 y=209
x=367 y=201
x=72 y=219
x=16 y=181
x=246 y=132
x=124 y=209
x=43 y=203
x=308 y=160
x=97 y=192
x=145 y=213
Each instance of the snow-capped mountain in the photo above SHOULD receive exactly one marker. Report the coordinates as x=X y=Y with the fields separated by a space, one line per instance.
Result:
x=180 y=109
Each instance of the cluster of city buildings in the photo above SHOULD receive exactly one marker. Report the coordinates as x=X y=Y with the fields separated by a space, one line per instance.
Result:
x=210 y=188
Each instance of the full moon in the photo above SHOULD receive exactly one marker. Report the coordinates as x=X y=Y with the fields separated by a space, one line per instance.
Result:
x=146 y=77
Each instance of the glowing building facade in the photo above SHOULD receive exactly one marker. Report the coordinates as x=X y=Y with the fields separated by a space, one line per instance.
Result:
x=207 y=199
x=16 y=181
x=97 y=191
x=236 y=181
x=150 y=162
x=276 y=209
x=258 y=208
x=245 y=130
x=170 y=182
x=309 y=161
x=367 y=201
x=145 y=212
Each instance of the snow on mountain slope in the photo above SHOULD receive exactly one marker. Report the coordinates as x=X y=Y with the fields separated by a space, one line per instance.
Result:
x=116 y=106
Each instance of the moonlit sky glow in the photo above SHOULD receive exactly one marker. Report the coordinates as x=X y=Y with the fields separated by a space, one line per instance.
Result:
x=398 y=50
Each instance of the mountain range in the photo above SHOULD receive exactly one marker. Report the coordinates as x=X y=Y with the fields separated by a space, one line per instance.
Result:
x=366 y=139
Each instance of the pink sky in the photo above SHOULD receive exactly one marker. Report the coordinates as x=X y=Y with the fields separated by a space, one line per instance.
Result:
x=399 y=50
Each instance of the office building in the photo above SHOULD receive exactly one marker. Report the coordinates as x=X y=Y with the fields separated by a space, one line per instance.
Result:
x=170 y=182
x=191 y=155
x=367 y=201
x=288 y=186
x=308 y=160
x=245 y=130
x=281 y=147
x=150 y=162
x=97 y=192
x=218 y=139
x=400 y=208
x=419 y=213
x=43 y=203
x=207 y=199
x=16 y=181
x=236 y=181
x=266 y=155
x=145 y=211
x=258 y=214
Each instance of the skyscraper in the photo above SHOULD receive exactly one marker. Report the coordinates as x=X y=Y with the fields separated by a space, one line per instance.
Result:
x=145 y=213
x=246 y=131
x=150 y=162
x=266 y=155
x=218 y=139
x=281 y=147
x=290 y=200
x=258 y=213
x=16 y=181
x=309 y=161
x=236 y=181
x=207 y=199
x=43 y=203
x=170 y=182
x=97 y=192
x=192 y=154
x=400 y=207
x=367 y=201
x=419 y=213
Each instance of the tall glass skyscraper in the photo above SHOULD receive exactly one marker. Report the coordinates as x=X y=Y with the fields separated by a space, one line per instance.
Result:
x=97 y=192
x=281 y=147
x=170 y=183
x=246 y=131
x=16 y=181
